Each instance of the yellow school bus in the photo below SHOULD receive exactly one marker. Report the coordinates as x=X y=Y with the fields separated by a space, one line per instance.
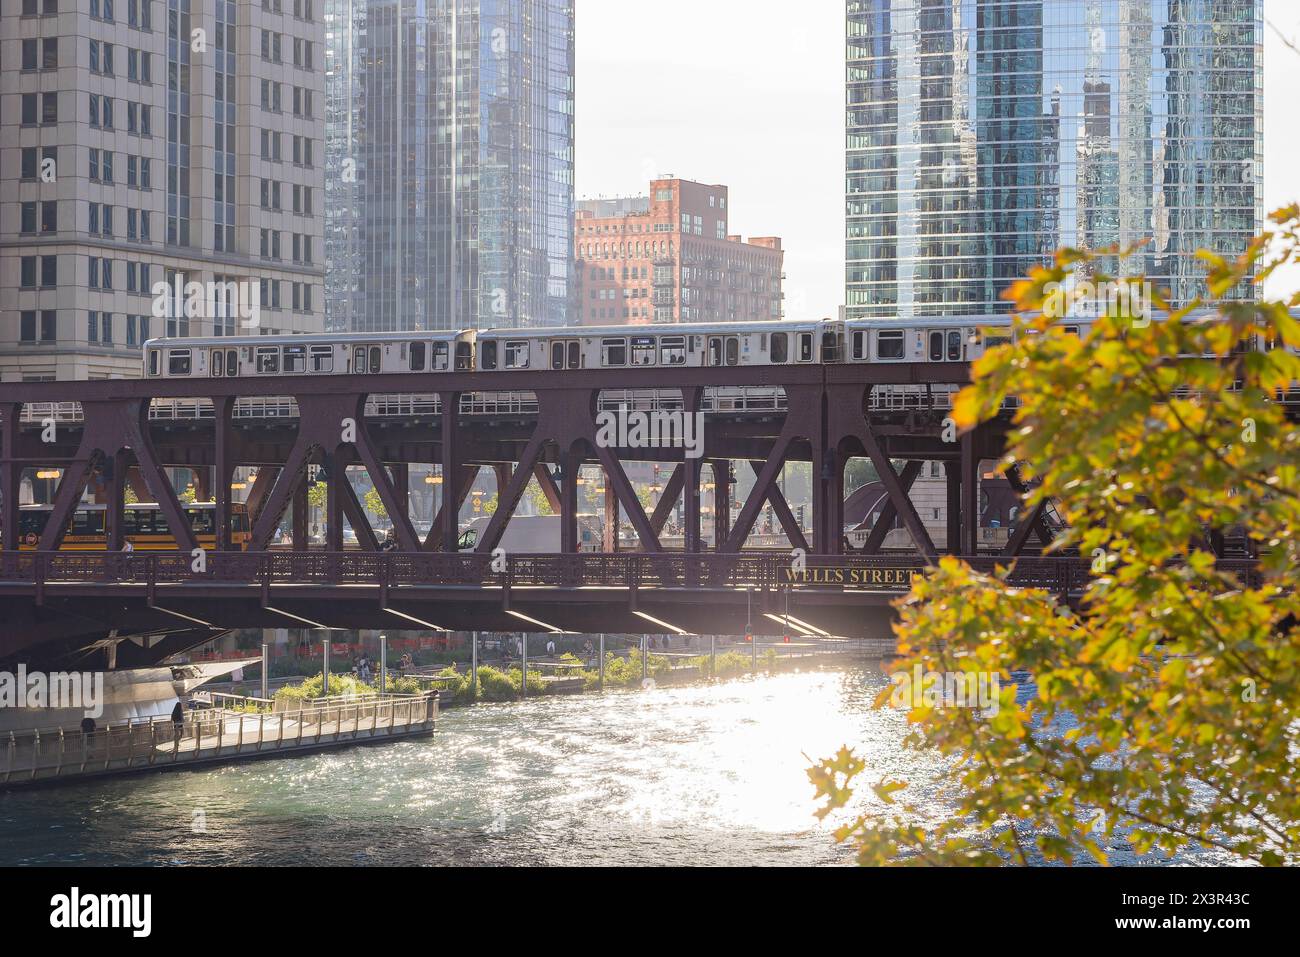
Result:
x=144 y=526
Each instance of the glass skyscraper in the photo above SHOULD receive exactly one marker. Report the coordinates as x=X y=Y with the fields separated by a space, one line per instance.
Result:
x=984 y=134
x=449 y=149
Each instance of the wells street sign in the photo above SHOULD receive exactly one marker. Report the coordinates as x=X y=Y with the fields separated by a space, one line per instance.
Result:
x=898 y=577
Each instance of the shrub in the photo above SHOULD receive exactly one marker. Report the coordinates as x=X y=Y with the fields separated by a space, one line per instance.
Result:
x=312 y=688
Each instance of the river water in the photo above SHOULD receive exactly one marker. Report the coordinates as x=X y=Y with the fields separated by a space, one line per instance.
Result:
x=692 y=775
x=700 y=774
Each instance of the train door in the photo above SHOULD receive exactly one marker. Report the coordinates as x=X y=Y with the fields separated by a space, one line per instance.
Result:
x=223 y=362
x=366 y=360
x=724 y=350
x=566 y=354
x=945 y=345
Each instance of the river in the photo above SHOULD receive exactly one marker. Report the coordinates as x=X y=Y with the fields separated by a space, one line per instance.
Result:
x=690 y=775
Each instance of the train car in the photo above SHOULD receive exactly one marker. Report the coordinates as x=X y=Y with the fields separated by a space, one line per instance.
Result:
x=955 y=339
x=321 y=354
x=689 y=345
x=143 y=525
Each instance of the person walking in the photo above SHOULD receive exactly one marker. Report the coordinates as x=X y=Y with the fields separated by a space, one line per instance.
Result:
x=178 y=722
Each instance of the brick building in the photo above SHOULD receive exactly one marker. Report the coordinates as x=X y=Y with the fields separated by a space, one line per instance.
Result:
x=669 y=257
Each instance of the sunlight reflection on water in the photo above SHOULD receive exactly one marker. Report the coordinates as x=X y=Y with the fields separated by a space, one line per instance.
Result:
x=702 y=774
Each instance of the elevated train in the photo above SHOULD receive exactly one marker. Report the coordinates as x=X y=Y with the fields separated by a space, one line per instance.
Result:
x=684 y=345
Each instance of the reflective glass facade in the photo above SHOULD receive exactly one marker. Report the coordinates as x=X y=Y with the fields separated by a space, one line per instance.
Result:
x=449 y=146
x=984 y=134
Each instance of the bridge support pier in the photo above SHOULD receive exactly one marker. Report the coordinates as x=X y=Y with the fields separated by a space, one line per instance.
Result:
x=952 y=476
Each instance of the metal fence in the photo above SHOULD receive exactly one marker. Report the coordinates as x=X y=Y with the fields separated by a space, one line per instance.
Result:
x=211 y=735
x=753 y=569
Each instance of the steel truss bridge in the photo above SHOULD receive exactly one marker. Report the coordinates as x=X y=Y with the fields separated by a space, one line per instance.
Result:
x=109 y=435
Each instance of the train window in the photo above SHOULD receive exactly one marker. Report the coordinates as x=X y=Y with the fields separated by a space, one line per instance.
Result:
x=643 y=350
x=613 y=352
x=936 y=347
x=359 y=359
x=218 y=365
x=232 y=362
x=488 y=354
x=417 y=356
x=143 y=521
x=889 y=344
x=733 y=350
x=859 y=344
x=954 y=346
x=322 y=358
x=830 y=348
x=374 y=360
x=87 y=522
x=557 y=355
x=33 y=522
x=153 y=361
x=295 y=358
x=805 y=347
x=179 y=362
x=1071 y=330
x=203 y=521
x=439 y=363
x=575 y=355
x=672 y=350
x=268 y=360
x=780 y=347
x=517 y=354
x=464 y=356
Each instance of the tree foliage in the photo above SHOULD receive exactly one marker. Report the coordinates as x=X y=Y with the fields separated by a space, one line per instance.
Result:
x=1166 y=710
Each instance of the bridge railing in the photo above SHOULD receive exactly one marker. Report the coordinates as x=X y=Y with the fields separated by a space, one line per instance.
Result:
x=208 y=735
x=625 y=570
x=716 y=399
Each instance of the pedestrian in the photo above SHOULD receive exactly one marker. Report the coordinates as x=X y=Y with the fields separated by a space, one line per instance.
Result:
x=178 y=720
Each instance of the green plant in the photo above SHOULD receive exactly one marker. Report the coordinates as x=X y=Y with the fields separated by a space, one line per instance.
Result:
x=1167 y=710
x=312 y=688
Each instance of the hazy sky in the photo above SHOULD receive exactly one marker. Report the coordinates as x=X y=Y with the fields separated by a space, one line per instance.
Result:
x=750 y=93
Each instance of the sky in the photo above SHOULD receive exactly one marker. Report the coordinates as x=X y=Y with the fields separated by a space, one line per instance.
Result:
x=742 y=93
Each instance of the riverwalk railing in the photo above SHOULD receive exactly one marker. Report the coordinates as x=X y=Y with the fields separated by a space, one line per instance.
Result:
x=211 y=735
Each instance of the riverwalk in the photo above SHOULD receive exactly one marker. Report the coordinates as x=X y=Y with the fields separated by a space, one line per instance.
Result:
x=212 y=735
